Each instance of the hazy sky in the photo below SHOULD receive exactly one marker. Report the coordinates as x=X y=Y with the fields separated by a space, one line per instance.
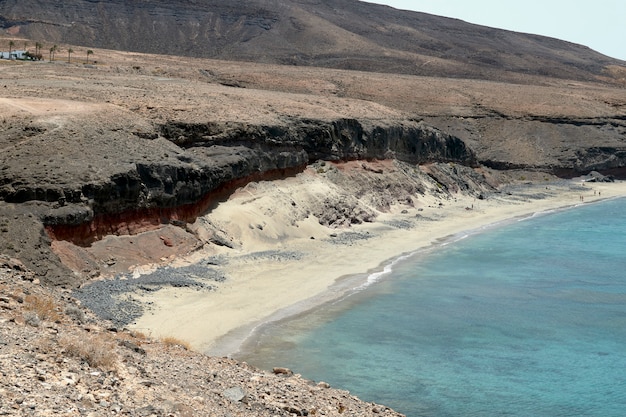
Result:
x=598 y=24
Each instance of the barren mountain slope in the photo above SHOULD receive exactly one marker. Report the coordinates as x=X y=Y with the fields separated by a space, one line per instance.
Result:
x=345 y=34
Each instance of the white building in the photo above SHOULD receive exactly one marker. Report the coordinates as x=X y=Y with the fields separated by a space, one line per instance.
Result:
x=14 y=55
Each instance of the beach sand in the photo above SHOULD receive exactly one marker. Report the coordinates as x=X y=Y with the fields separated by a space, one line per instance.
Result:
x=283 y=263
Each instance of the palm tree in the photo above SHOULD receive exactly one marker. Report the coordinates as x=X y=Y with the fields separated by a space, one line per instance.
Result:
x=11 y=45
x=89 y=52
x=38 y=47
x=69 y=55
x=52 y=51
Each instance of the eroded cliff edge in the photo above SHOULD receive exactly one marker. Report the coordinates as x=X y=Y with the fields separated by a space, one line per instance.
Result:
x=137 y=142
x=184 y=168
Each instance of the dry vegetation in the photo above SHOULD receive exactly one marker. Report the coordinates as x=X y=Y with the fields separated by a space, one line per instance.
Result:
x=43 y=306
x=175 y=342
x=98 y=351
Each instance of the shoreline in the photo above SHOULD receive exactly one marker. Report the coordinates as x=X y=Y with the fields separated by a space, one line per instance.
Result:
x=264 y=289
x=240 y=341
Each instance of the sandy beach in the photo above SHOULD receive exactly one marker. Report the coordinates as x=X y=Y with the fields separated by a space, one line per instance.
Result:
x=279 y=265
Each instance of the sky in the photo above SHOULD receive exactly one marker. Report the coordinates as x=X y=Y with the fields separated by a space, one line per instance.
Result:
x=598 y=24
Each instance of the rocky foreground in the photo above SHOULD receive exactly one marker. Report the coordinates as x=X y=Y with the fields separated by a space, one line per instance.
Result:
x=59 y=359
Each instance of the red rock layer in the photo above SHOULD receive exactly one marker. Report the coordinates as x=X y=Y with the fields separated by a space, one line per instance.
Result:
x=141 y=220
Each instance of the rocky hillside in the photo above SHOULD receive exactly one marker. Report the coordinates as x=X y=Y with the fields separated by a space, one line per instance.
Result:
x=346 y=34
x=59 y=359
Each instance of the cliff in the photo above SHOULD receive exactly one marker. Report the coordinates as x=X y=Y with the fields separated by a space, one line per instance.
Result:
x=212 y=160
x=139 y=141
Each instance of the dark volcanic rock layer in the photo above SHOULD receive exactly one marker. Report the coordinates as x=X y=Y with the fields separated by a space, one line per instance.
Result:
x=344 y=139
x=125 y=178
x=564 y=146
x=218 y=159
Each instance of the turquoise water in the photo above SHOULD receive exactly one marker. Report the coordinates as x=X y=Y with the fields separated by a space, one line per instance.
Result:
x=524 y=320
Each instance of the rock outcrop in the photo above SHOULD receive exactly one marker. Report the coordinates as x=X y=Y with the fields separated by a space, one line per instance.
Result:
x=213 y=160
x=564 y=146
x=343 y=139
x=124 y=176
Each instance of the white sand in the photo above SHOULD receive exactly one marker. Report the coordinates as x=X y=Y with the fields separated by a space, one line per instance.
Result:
x=258 y=289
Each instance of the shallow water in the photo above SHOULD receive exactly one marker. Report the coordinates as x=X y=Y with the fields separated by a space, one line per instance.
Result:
x=526 y=319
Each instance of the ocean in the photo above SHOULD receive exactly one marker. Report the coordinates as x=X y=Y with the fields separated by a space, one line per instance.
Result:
x=522 y=319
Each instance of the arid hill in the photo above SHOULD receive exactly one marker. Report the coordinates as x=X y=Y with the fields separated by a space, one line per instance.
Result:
x=346 y=34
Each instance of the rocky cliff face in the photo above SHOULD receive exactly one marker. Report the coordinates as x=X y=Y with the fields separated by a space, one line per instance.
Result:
x=216 y=160
x=85 y=176
x=311 y=140
x=563 y=146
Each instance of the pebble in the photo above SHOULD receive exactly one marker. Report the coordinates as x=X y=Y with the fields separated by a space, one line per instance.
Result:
x=112 y=299
x=235 y=394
